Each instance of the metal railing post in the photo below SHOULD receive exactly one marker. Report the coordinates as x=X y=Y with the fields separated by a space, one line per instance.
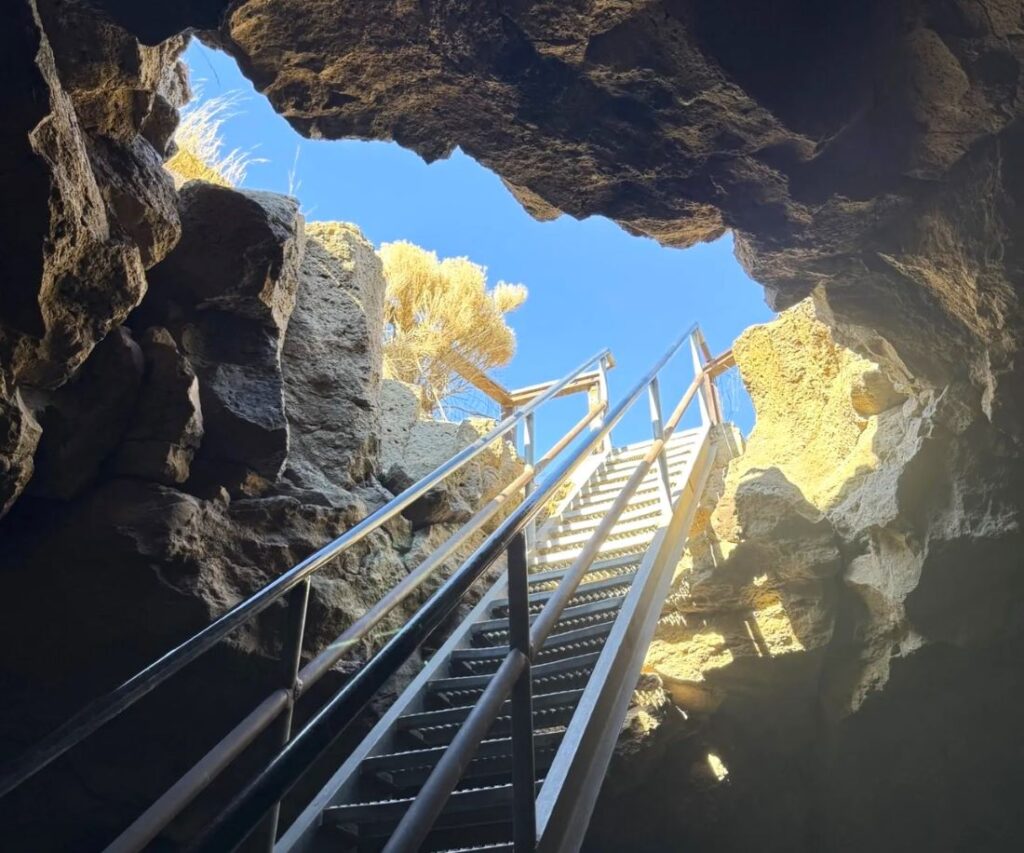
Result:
x=714 y=399
x=703 y=403
x=602 y=396
x=529 y=453
x=291 y=659
x=524 y=810
x=658 y=431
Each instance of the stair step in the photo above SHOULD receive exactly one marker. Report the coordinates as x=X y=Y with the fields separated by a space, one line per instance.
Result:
x=434 y=728
x=493 y=757
x=484 y=804
x=586 y=593
x=462 y=683
x=490 y=627
x=568 y=644
x=630 y=451
x=565 y=674
x=579 y=537
x=610 y=547
x=580 y=523
x=599 y=569
x=603 y=489
x=592 y=508
x=619 y=476
x=675 y=454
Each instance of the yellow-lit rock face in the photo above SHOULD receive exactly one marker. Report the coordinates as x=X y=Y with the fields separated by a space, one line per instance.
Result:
x=761 y=577
x=815 y=402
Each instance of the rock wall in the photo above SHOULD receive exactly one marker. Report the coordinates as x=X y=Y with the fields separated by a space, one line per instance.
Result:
x=191 y=393
x=413 y=445
x=828 y=598
x=866 y=154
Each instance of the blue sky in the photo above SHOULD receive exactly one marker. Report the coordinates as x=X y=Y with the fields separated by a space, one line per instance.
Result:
x=591 y=284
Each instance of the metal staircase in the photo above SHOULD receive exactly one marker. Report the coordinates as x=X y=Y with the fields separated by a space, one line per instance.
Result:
x=501 y=741
x=362 y=805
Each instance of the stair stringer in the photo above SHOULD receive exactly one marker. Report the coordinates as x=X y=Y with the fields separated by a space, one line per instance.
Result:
x=573 y=781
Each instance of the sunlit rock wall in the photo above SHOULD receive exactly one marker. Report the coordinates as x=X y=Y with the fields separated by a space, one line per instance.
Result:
x=825 y=595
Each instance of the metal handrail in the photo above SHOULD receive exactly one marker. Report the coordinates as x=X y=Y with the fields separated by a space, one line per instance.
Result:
x=242 y=816
x=421 y=815
x=238 y=821
x=148 y=824
x=105 y=708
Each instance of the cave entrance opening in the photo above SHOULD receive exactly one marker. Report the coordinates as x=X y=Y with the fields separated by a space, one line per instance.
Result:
x=591 y=284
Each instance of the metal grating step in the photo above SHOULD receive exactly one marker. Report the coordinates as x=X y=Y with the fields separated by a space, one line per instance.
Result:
x=493 y=758
x=566 y=674
x=610 y=548
x=599 y=489
x=597 y=509
x=461 y=683
x=485 y=632
x=434 y=728
x=610 y=568
x=578 y=538
x=676 y=454
x=569 y=644
x=590 y=523
x=484 y=804
x=586 y=593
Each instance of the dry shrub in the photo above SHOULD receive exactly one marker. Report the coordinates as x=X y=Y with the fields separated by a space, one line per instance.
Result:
x=435 y=308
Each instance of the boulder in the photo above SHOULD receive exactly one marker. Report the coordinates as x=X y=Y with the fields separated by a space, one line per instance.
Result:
x=84 y=420
x=413 y=445
x=226 y=293
x=167 y=424
x=332 y=359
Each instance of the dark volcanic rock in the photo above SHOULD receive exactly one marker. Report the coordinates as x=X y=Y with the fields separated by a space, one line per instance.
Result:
x=331 y=360
x=94 y=205
x=83 y=420
x=167 y=425
x=821 y=133
x=226 y=293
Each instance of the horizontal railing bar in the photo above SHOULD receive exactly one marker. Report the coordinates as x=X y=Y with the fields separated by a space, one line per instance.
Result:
x=720 y=363
x=237 y=821
x=583 y=382
x=170 y=804
x=102 y=710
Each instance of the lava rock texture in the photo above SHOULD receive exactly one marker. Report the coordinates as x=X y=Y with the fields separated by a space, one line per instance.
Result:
x=868 y=156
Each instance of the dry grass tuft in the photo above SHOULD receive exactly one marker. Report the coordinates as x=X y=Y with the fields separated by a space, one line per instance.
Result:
x=200 y=155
